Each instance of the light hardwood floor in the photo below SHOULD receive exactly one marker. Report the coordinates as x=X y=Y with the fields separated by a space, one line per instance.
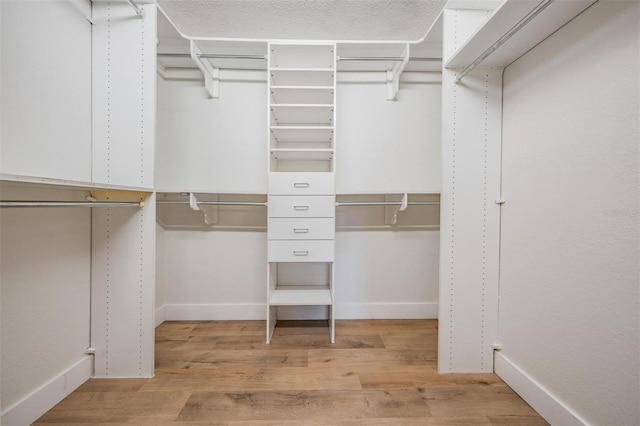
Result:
x=379 y=372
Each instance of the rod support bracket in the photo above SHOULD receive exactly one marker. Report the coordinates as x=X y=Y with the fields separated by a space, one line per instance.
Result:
x=211 y=74
x=393 y=76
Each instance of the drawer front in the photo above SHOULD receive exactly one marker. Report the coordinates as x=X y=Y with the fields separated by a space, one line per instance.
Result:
x=301 y=251
x=301 y=184
x=305 y=206
x=301 y=229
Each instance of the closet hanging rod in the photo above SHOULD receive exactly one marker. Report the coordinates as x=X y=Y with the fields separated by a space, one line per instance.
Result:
x=388 y=203
x=214 y=203
x=69 y=204
x=506 y=36
x=211 y=56
x=137 y=8
x=386 y=58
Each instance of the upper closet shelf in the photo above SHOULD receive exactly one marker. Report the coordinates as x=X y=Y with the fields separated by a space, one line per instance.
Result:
x=302 y=94
x=68 y=184
x=512 y=29
x=302 y=76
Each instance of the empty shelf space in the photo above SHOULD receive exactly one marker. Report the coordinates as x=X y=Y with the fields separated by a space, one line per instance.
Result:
x=301 y=295
x=305 y=114
x=302 y=76
x=302 y=133
x=302 y=94
x=302 y=154
x=302 y=55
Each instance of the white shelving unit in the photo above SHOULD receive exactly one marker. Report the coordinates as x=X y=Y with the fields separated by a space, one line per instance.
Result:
x=301 y=206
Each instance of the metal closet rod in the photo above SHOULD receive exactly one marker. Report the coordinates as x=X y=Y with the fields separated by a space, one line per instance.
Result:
x=506 y=36
x=214 y=203
x=69 y=204
x=263 y=57
x=211 y=56
x=388 y=203
x=137 y=8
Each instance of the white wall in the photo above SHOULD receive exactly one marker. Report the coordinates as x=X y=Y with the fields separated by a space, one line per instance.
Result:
x=160 y=297
x=46 y=89
x=45 y=274
x=388 y=146
x=569 y=314
x=221 y=145
x=214 y=145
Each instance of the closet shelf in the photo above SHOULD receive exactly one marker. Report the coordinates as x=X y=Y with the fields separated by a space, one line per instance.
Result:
x=302 y=133
x=302 y=154
x=302 y=113
x=301 y=296
x=302 y=76
x=69 y=184
x=302 y=94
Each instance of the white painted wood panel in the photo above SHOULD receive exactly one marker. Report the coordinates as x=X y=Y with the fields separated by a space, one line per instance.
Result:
x=124 y=94
x=301 y=206
x=301 y=184
x=570 y=239
x=301 y=229
x=301 y=251
x=46 y=89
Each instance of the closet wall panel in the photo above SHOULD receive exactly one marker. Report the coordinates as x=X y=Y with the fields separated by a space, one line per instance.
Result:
x=212 y=145
x=569 y=312
x=45 y=277
x=46 y=89
x=388 y=146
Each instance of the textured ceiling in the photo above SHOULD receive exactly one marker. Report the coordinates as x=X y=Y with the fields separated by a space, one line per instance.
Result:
x=336 y=20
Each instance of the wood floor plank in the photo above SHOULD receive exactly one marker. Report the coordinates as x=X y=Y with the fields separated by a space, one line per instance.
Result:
x=243 y=379
x=304 y=406
x=131 y=407
x=470 y=400
x=222 y=373
x=232 y=358
x=372 y=359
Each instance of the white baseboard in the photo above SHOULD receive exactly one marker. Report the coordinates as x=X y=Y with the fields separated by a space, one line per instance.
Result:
x=215 y=312
x=544 y=402
x=386 y=310
x=221 y=312
x=34 y=405
x=160 y=316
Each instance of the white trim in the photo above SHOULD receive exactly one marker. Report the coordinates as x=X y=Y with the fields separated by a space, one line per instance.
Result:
x=386 y=310
x=544 y=402
x=257 y=311
x=38 y=402
x=160 y=315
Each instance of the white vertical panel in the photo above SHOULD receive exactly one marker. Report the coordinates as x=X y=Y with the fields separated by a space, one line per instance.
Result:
x=46 y=89
x=123 y=290
x=124 y=86
x=469 y=215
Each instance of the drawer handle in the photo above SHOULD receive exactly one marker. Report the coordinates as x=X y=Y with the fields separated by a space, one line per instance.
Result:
x=301 y=252
x=301 y=208
x=301 y=185
x=300 y=230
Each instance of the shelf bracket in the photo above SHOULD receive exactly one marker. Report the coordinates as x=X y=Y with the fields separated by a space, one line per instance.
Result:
x=393 y=206
x=211 y=74
x=393 y=76
x=210 y=213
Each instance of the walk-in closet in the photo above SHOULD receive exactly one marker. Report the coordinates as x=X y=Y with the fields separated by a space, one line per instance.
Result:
x=470 y=162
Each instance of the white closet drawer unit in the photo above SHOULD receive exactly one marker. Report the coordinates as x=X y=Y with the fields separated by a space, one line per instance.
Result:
x=301 y=183
x=301 y=229
x=301 y=251
x=308 y=206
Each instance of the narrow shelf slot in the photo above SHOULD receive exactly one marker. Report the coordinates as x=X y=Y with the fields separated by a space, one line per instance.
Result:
x=302 y=133
x=301 y=296
x=302 y=76
x=302 y=114
x=302 y=154
x=302 y=94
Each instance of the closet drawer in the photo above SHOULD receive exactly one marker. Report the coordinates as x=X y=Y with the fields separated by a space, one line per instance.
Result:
x=301 y=229
x=306 y=206
x=301 y=184
x=301 y=251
